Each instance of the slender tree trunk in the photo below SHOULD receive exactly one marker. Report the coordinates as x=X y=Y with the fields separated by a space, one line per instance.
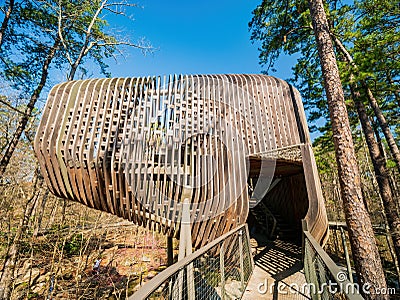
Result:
x=394 y=150
x=5 y=160
x=365 y=252
x=72 y=73
x=10 y=261
x=380 y=170
x=392 y=182
x=7 y=277
x=40 y=213
x=86 y=45
x=4 y=24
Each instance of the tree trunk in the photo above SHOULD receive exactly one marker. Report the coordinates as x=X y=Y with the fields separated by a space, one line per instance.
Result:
x=365 y=252
x=28 y=111
x=394 y=150
x=7 y=277
x=6 y=19
x=10 y=261
x=72 y=73
x=41 y=213
x=393 y=186
x=380 y=170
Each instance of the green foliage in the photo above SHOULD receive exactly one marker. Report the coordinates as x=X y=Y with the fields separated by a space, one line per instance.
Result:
x=74 y=245
x=78 y=31
x=40 y=37
x=369 y=29
x=280 y=29
x=288 y=29
x=32 y=295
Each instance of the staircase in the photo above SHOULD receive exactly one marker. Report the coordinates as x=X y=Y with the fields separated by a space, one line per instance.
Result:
x=224 y=269
x=273 y=225
x=266 y=223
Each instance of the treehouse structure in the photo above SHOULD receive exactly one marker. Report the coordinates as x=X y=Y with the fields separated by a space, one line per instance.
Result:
x=237 y=147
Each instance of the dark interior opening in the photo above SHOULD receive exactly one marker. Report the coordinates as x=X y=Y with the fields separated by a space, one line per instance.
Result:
x=278 y=213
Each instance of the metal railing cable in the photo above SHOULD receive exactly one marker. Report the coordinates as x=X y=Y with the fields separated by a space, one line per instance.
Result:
x=325 y=280
x=219 y=270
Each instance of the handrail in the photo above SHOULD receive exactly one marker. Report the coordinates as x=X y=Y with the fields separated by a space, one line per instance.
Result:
x=378 y=229
x=154 y=283
x=332 y=267
x=321 y=271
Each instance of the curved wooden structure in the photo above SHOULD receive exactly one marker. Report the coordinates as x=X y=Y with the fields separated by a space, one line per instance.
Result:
x=136 y=147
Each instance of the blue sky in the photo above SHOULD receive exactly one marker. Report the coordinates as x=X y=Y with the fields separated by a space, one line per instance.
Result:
x=201 y=37
x=193 y=37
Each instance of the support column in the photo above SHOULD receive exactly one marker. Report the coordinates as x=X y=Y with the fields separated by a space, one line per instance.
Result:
x=185 y=248
x=170 y=251
x=346 y=253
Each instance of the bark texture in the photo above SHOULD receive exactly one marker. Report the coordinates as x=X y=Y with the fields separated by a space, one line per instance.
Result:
x=383 y=124
x=377 y=156
x=381 y=173
x=365 y=252
x=394 y=150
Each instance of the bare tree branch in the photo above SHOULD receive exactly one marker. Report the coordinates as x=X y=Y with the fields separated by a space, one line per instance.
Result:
x=12 y=107
x=83 y=51
x=4 y=24
x=61 y=35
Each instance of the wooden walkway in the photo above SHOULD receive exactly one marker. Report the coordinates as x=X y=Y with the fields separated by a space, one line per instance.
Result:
x=278 y=267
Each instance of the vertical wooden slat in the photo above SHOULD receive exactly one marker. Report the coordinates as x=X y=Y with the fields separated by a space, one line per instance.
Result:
x=42 y=142
x=136 y=147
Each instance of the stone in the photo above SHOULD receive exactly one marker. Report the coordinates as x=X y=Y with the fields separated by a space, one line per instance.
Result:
x=33 y=274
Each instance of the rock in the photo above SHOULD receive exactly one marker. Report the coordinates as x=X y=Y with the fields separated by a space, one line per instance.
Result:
x=151 y=275
x=232 y=290
x=44 y=278
x=33 y=275
x=145 y=259
x=129 y=262
x=25 y=267
x=39 y=288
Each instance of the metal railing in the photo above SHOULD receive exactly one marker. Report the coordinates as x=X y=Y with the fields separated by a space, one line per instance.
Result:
x=325 y=280
x=220 y=270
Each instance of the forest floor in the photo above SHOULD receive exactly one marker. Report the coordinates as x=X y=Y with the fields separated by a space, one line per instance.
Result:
x=60 y=263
